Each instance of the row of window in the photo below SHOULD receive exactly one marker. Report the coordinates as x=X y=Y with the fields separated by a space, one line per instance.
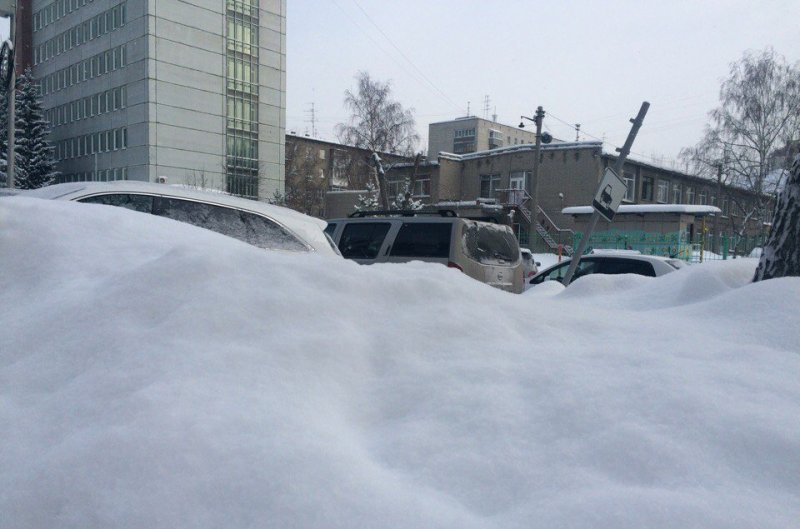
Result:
x=245 y=7
x=465 y=133
x=242 y=35
x=101 y=175
x=97 y=26
x=96 y=142
x=55 y=11
x=242 y=75
x=242 y=113
x=422 y=187
x=89 y=106
x=95 y=66
x=680 y=194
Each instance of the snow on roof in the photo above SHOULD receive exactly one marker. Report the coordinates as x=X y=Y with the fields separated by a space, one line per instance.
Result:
x=524 y=147
x=648 y=208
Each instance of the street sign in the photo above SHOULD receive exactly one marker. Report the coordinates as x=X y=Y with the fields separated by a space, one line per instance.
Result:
x=609 y=195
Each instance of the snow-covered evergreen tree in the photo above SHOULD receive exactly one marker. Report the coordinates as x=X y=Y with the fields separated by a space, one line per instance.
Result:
x=33 y=154
x=405 y=200
x=369 y=201
x=781 y=254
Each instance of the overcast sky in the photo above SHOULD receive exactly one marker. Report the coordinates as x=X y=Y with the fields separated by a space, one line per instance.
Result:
x=590 y=62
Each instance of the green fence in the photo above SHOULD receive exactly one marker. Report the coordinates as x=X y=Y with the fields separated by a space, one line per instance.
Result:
x=676 y=244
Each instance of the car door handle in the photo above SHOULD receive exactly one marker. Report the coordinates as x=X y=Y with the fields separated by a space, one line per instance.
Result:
x=388 y=249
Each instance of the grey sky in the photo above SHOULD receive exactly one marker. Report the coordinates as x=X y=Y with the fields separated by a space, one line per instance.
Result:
x=588 y=62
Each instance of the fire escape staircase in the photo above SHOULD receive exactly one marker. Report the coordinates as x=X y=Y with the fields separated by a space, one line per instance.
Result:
x=519 y=200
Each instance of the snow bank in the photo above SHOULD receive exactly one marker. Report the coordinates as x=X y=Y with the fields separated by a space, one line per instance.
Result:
x=156 y=375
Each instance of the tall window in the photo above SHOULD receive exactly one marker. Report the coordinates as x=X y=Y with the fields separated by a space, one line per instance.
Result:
x=690 y=195
x=489 y=184
x=676 y=194
x=647 y=188
x=663 y=191
x=630 y=183
x=241 y=77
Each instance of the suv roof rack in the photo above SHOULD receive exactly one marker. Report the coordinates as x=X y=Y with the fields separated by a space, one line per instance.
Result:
x=403 y=213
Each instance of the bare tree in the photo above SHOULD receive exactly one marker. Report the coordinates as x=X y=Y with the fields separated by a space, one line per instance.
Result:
x=759 y=113
x=781 y=254
x=305 y=179
x=377 y=123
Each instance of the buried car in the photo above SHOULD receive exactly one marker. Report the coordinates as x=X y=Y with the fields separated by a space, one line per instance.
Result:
x=611 y=263
x=258 y=223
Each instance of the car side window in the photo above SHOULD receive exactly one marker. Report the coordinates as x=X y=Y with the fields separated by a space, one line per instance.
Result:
x=141 y=203
x=626 y=266
x=363 y=240
x=423 y=239
x=330 y=228
x=247 y=227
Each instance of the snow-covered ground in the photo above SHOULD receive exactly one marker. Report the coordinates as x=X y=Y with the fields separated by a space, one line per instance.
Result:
x=155 y=375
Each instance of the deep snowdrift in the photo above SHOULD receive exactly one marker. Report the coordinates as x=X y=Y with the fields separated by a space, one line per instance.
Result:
x=157 y=375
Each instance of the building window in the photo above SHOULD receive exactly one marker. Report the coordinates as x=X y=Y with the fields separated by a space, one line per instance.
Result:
x=663 y=191
x=725 y=206
x=647 y=188
x=630 y=183
x=242 y=97
x=676 y=194
x=489 y=185
x=690 y=195
x=701 y=197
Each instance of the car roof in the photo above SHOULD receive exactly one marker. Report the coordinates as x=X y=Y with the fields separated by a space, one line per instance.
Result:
x=65 y=191
x=611 y=256
x=307 y=227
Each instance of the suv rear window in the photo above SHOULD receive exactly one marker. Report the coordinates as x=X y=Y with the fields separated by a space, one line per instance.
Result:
x=363 y=240
x=423 y=239
x=490 y=244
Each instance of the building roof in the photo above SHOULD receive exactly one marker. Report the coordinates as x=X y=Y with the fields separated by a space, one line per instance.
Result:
x=525 y=147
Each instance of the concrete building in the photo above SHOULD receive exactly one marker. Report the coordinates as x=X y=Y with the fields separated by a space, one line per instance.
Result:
x=190 y=90
x=491 y=184
x=472 y=134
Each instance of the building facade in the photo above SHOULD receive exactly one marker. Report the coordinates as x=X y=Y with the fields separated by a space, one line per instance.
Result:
x=193 y=91
x=472 y=134
x=491 y=184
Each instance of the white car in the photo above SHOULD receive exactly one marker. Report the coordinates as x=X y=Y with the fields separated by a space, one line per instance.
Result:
x=611 y=262
x=257 y=223
x=529 y=265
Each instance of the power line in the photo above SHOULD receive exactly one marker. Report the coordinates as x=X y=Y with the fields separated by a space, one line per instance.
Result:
x=421 y=73
x=582 y=131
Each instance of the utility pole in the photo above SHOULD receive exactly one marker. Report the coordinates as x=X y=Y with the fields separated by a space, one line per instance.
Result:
x=533 y=183
x=719 y=205
x=577 y=132
x=623 y=154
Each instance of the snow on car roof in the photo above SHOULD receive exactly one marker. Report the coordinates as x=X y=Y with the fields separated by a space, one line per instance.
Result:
x=648 y=208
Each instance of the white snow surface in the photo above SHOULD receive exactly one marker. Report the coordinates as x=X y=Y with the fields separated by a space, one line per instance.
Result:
x=157 y=375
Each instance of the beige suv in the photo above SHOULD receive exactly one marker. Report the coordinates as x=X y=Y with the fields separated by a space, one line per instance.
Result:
x=482 y=250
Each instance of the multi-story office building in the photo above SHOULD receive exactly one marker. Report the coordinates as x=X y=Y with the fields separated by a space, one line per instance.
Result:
x=190 y=90
x=472 y=134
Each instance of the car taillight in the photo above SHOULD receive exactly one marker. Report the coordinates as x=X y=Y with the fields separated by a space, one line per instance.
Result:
x=451 y=264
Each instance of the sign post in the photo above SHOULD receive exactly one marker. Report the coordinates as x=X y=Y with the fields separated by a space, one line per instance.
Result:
x=609 y=194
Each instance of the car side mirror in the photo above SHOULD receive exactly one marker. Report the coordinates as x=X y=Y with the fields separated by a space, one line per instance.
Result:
x=538 y=263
